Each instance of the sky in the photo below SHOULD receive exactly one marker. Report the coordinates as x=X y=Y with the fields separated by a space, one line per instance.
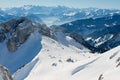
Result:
x=70 y=3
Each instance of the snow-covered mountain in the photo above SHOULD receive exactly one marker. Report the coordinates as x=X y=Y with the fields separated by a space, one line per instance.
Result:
x=4 y=16
x=60 y=62
x=52 y=53
x=20 y=42
x=56 y=15
x=32 y=51
x=54 y=58
x=102 y=33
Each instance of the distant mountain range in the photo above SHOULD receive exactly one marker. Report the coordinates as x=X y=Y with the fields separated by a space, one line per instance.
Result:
x=54 y=15
x=38 y=42
x=102 y=33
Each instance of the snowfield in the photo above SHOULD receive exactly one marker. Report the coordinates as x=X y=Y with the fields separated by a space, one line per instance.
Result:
x=59 y=62
x=55 y=60
x=56 y=43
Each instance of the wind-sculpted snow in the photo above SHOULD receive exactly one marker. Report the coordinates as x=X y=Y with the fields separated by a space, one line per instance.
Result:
x=33 y=51
x=92 y=67
x=22 y=74
x=53 y=62
x=79 y=68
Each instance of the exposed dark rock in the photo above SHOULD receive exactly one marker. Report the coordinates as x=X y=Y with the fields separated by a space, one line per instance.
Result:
x=44 y=30
x=118 y=60
x=12 y=24
x=118 y=64
x=23 y=34
x=54 y=64
x=5 y=74
x=81 y=40
x=60 y=61
x=11 y=44
x=113 y=55
x=101 y=77
x=70 y=60
x=16 y=32
x=2 y=36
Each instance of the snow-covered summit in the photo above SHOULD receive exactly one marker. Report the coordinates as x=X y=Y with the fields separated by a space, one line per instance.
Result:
x=33 y=51
x=20 y=42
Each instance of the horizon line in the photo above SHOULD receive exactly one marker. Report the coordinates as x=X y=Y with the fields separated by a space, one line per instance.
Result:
x=57 y=6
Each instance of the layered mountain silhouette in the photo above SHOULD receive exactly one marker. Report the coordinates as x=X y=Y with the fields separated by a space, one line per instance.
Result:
x=102 y=33
x=53 y=42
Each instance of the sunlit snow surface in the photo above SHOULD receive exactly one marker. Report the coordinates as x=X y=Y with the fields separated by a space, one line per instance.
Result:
x=54 y=52
x=51 y=64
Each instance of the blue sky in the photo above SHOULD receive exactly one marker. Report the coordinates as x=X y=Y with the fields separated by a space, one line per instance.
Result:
x=69 y=3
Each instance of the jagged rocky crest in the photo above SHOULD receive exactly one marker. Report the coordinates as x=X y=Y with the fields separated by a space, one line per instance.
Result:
x=15 y=32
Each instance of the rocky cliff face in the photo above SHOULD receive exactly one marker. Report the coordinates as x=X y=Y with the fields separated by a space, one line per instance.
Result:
x=22 y=37
x=15 y=32
x=5 y=74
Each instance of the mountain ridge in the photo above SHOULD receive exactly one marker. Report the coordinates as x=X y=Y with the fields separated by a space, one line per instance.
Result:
x=97 y=31
x=32 y=49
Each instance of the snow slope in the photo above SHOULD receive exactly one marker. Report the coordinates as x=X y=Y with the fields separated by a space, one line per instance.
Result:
x=54 y=61
x=57 y=56
x=16 y=60
x=105 y=65
x=59 y=62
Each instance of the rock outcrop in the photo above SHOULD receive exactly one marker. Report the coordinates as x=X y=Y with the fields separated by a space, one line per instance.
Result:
x=16 y=32
x=5 y=74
